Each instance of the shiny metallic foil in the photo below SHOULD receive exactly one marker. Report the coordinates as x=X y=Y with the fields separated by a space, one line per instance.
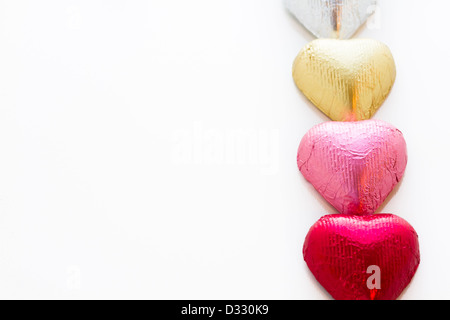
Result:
x=353 y=165
x=337 y=19
x=348 y=80
x=362 y=258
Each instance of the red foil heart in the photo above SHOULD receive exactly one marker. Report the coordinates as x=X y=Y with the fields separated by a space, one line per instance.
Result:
x=362 y=257
x=353 y=165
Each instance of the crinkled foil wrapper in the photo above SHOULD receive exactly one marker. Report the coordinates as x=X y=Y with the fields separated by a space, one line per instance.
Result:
x=348 y=80
x=337 y=19
x=344 y=252
x=353 y=165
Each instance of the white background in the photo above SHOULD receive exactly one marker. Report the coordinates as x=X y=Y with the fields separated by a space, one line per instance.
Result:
x=148 y=148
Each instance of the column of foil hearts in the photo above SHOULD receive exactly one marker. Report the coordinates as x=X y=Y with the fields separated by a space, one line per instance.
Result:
x=353 y=162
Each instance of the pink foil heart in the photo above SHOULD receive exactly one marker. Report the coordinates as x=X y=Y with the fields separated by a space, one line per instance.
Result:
x=362 y=257
x=353 y=165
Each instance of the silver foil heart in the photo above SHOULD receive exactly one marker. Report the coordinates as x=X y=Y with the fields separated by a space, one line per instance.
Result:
x=337 y=19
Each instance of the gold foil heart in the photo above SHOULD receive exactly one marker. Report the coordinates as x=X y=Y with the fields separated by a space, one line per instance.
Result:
x=348 y=80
